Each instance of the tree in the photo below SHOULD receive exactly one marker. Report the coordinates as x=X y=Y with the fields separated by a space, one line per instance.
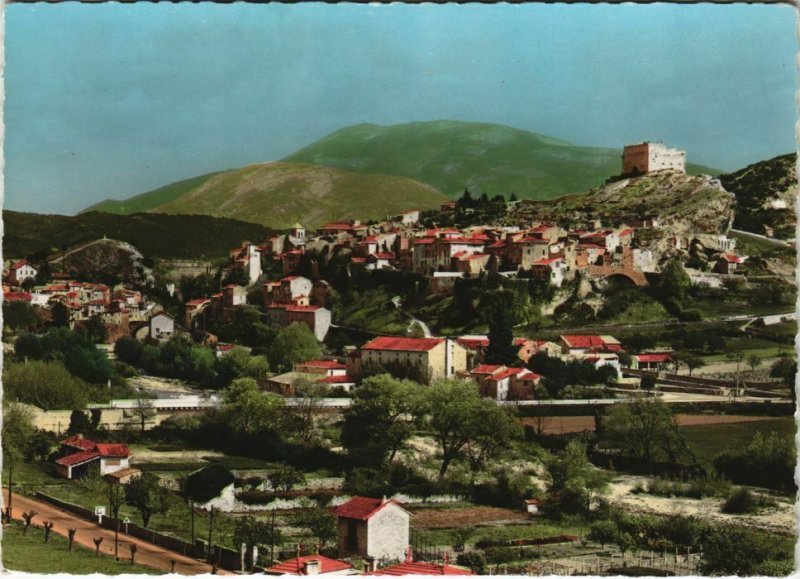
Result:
x=308 y=396
x=693 y=362
x=501 y=349
x=455 y=413
x=47 y=385
x=318 y=522
x=143 y=411
x=59 y=315
x=572 y=482
x=754 y=361
x=285 y=478
x=646 y=430
x=377 y=425
x=252 y=532
x=146 y=495
x=17 y=431
x=79 y=423
x=674 y=282
x=294 y=343
x=603 y=532
x=21 y=315
x=737 y=551
x=648 y=382
x=95 y=329
x=250 y=411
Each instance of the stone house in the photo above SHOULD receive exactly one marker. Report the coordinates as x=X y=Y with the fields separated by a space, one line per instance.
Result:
x=373 y=528
x=162 y=327
x=425 y=359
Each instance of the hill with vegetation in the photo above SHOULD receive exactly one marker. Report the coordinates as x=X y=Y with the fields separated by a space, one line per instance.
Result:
x=279 y=194
x=486 y=158
x=155 y=235
x=765 y=194
x=147 y=201
x=682 y=203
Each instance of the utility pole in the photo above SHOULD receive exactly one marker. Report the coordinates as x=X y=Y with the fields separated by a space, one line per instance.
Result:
x=210 y=531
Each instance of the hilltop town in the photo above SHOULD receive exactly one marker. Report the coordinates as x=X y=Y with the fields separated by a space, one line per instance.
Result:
x=460 y=390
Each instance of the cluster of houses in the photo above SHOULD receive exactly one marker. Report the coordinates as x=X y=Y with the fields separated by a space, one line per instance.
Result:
x=429 y=359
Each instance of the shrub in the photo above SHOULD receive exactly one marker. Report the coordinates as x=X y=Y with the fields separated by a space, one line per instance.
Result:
x=475 y=561
x=744 y=501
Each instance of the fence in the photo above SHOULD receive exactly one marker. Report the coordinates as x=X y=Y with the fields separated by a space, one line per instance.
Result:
x=223 y=557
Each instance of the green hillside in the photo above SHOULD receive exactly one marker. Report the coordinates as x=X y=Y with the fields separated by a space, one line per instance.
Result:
x=147 y=201
x=279 y=194
x=453 y=155
x=759 y=184
x=159 y=236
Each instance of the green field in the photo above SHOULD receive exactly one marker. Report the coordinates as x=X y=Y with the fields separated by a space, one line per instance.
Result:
x=485 y=157
x=29 y=554
x=707 y=441
x=146 y=201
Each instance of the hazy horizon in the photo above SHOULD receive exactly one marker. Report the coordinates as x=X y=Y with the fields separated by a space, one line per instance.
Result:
x=108 y=101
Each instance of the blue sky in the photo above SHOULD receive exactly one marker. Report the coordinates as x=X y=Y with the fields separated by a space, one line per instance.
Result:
x=109 y=100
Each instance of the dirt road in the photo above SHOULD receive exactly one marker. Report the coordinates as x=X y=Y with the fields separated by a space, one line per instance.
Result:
x=147 y=554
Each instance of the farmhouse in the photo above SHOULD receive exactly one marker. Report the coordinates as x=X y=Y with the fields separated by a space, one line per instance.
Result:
x=20 y=271
x=375 y=528
x=580 y=345
x=77 y=454
x=424 y=359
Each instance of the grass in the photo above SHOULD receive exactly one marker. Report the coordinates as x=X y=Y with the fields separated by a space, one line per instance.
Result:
x=535 y=530
x=709 y=440
x=373 y=311
x=29 y=553
x=279 y=194
x=453 y=155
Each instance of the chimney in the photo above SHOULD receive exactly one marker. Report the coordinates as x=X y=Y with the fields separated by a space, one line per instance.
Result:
x=312 y=567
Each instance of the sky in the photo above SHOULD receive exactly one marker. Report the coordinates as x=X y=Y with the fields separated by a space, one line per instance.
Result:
x=110 y=100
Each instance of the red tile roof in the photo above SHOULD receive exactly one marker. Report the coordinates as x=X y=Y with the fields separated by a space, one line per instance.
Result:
x=362 y=508
x=17 y=296
x=505 y=374
x=78 y=458
x=586 y=341
x=473 y=343
x=486 y=369
x=333 y=364
x=402 y=344
x=79 y=442
x=343 y=379
x=303 y=308
x=113 y=449
x=296 y=566
x=419 y=568
x=654 y=358
x=19 y=264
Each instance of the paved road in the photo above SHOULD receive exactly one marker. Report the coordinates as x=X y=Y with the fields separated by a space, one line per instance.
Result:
x=147 y=554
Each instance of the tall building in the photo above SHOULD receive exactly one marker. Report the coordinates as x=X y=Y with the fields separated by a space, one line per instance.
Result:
x=646 y=157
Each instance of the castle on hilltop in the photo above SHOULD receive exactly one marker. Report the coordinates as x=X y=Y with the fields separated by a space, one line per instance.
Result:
x=646 y=157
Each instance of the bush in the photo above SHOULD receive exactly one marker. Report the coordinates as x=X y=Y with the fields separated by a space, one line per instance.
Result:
x=744 y=501
x=475 y=561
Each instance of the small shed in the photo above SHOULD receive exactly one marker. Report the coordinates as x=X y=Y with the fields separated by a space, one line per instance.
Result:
x=531 y=506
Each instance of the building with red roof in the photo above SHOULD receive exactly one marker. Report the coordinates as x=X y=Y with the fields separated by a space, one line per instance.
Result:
x=20 y=271
x=311 y=565
x=373 y=528
x=77 y=454
x=582 y=344
x=653 y=362
x=423 y=359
